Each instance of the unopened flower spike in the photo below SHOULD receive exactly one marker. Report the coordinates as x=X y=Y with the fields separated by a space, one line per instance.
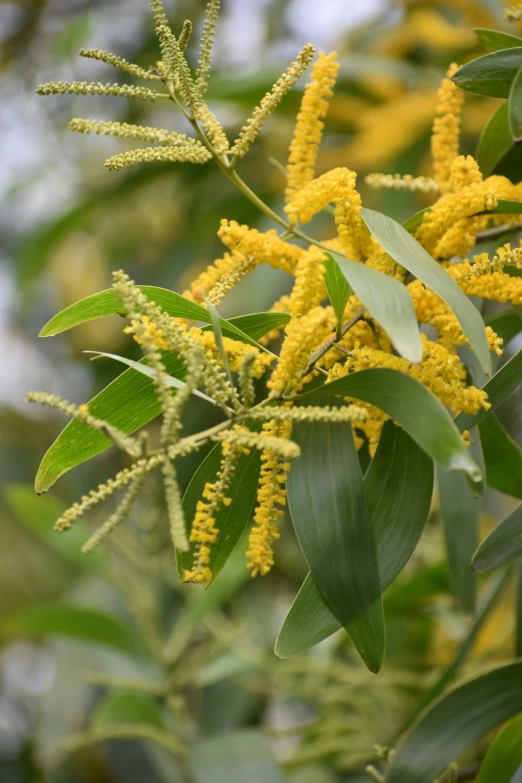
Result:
x=182 y=153
x=125 y=130
x=97 y=88
x=206 y=45
x=117 y=517
x=280 y=446
x=118 y=62
x=158 y=13
x=310 y=413
x=246 y=379
x=402 y=182
x=185 y=35
x=513 y=13
x=173 y=497
x=177 y=66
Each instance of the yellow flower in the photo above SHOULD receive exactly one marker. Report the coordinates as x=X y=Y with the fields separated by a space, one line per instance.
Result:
x=446 y=129
x=265 y=247
x=309 y=288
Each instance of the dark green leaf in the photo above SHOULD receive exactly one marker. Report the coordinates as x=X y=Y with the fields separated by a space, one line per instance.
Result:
x=505 y=207
x=338 y=289
x=457 y=721
x=234 y=756
x=327 y=504
x=390 y=304
x=411 y=405
x=515 y=107
x=506 y=323
x=504 y=756
x=72 y=622
x=503 y=457
x=491 y=74
x=398 y=487
x=215 y=321
x=518 y=611
x=127 y=707
x=38 y=515
x=460 y=513
x=231 y=520
x=503 y=544
x=412 y=224
x=498 y=389
x=405 y=250
x=494 y=40
x=495 y=140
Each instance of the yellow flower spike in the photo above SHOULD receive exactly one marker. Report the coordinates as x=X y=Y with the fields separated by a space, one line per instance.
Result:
x=266 y=248
x=464 y=171
x=485 y=278
x=309 y=125
x=309 y=288
x=446 y=129
x=271 y=499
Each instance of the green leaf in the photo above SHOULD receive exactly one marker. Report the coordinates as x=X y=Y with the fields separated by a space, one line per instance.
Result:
x=518 y=611
x=128 y=403
x=234 y=756
x=218 y=337
x=73 y=622
x=506 y=323
x=38 y=515
x=491 y=74
x=405 y=250
x=503 y=544
x=515 y=107
x=494 y=40
x=460 y=513
x=505 y=206
x=504 y=756
x=338 y=289
x=231 y=520
x=503 y=457
x=457 y=721
x=328 y=508
x=127 y=707
x=412 y=223
x=390 y=304
x=411 y=405
x=398 y=487
x=495 y=140
x=498 y=389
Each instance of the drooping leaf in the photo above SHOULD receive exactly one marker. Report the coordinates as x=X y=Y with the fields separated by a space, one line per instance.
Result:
x=458 y=720
x=411 y=405
x=328 y=508
x=398 y=486
x=338 y=288
x=127 y=707
x=515 y=107
x=390 y=304
x=494 y=40
x=506 y=323
x=231 y=520
x=504 y=756
x=492 y=74
x=498 y=389
x=405 y=250
x=38 y=515
x=73 y=622
x=503 y=544
x=234 y=756
x=502 y=456
x=495 y=140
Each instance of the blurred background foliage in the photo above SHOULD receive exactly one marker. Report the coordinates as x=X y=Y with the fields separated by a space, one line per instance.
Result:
x=79 y=637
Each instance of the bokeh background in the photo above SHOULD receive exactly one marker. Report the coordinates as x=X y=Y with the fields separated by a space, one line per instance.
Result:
x=65 y=224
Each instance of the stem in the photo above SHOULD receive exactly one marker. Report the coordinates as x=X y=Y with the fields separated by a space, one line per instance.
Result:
x=497 y=231
x=314 y=358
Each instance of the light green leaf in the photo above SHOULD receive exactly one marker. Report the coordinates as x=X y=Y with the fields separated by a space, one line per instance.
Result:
x=398 y=487
x=38 y=515
x=504 y=756
x=498 y=389
x=405 y=250
x=411 y=405
x=234 y=756
x=456 y=722
x=338 y=289
x=218 y=337
x=390 y=304
x=495 y=140
x=494 y=40
x=72 y=622
x=127 y=707
x=328 y=508
x=491 y=74
x=515 y=108
x=502 y=456
x=503 y=544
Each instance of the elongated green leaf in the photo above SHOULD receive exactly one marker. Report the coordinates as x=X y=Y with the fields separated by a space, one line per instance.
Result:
x=460 y=513
x=127 y=707
x=495 y=140
x=327 y=504
x=491 y=74
x=390 y=304
x=505 y=207
x=498 y=389
x=107 y=303
x=218 y=337
x=72 y=622
x=128 y=403
x=458 y=720
x=494 y=40
x=506 y=323
x=515 y=107
x=337 y=287
x=518 y=611
x=398 y=487
x=413 y=222
x=234 y=756
x=405 y=249
x=503 y=544
x=231 y=520
x=38 y=515
x=503 y=457
x=504 y=756
x=411 y=405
